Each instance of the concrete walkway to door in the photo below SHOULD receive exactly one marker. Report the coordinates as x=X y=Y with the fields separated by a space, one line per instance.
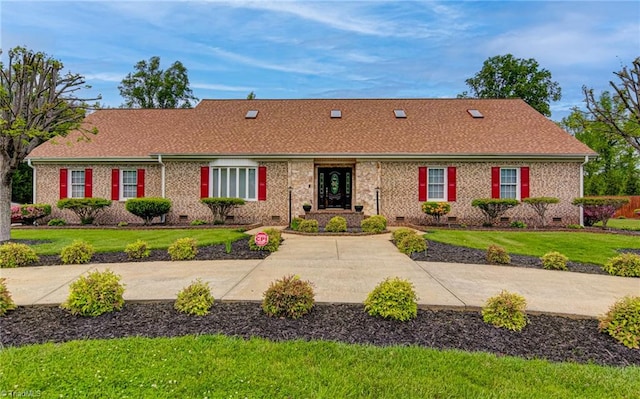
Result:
x=342 y=269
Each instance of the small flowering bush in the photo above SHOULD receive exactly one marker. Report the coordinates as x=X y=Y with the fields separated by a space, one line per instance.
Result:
x=30 y=213
x=436 y=209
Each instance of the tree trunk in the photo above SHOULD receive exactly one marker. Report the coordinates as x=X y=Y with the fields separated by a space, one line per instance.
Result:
x=5 y=204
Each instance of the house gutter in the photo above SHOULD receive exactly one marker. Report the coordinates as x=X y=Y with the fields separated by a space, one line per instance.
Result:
x=34 y=185
x=586 y=159
x=162 y=176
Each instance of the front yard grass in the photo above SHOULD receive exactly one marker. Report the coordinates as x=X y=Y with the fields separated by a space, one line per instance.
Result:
x=580 y=247
x=115 y=240
x=219 y=366
x=622 y=224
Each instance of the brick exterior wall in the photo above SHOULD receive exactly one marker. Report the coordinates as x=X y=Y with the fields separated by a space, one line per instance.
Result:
x=397 y=180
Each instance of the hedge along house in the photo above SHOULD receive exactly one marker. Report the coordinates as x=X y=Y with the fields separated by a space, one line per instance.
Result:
x=388 y=155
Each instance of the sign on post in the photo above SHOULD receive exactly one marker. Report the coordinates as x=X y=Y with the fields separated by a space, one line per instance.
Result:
x=261 y=239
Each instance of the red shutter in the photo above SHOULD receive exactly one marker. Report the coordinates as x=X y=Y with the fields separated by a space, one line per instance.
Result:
x=115 y=184
x=495 y=182
x=88 y=183
x=262 y=183
x=64 y=180
x=140 y=187
x=524 y=182
x=422 y=183
x=204 y=182
x=451 y=184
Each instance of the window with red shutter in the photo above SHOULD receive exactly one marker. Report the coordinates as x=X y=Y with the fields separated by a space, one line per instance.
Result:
x=204 y=182
x=115 y=184
x=422 y=184
x=262 y=183
x=88 y=183
x=140 y=184
x=64 y=181
x=451 y=184
x=524 y=182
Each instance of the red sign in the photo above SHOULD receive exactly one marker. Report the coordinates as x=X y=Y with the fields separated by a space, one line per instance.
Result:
x=261 y=239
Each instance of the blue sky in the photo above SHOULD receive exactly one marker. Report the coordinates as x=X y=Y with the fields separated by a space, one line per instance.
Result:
x=314 y=49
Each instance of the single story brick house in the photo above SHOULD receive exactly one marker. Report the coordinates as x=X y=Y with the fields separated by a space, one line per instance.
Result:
x=388 y=155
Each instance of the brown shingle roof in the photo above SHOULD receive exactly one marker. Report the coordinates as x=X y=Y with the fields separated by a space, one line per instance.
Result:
x=299 y=127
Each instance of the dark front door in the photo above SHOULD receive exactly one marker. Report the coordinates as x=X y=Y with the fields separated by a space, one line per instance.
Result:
x=334 y=188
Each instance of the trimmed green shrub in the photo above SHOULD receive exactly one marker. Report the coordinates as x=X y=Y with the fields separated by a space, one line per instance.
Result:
x=137 y=250
x=398 y=234
x=30 y=213
x=15 y=255
x=95 y=294
x=221 y=206
x=195 y=299
x=308 y=226
x=295 y=223
x=412 y=243
x=394 y=298
x=198 y=222
x=86 y=208
x=436 y=209
x=517 y=224
x=374 y=224
x=622 y=322
x=540 y=206
x=6 y=302
x=185 y=248
x=493 y=208
x=599 y=209
x=288 y=297
x=337 y=224
x=148 y=208
x=554 y=261
x=56 y=222
x=78 y=252
x=498 y=255
x=275 y=238
x=506 y=310
x=624 y=265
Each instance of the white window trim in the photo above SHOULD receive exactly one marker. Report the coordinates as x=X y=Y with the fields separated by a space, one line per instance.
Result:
x=121 y=184
x=518 y=185
x=226 y=165
x=444 y=189
x=70 y=185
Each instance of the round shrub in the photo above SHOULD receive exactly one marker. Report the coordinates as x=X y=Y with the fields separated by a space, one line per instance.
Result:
x=148 y=208
x=288 y=297
x=295 y=223
x=195 y=299
x=401 y=233
x=374 y=224
x=16 y=255
x=85 y=208
x=497 y=255
x=308 y=226
x=506 y=310
x=394 y=298
x=78 y=252
x=198 y=222
x=412 y=243
x=6 y=302
x=275 y=238
x=624 y=265
x=183 y=249
x=95 y=294
x=622 y=322
x=337 y=224
x=554 y=261
x=137 y=250
x=56 y=222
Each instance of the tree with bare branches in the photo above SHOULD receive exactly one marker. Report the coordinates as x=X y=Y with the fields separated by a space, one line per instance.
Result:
x=37 y=103
x=622 y=121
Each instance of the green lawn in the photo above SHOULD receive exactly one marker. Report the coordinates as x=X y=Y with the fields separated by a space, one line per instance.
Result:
x=623 y=224
x=115 y=240
x=221 y=367
x=577 y=246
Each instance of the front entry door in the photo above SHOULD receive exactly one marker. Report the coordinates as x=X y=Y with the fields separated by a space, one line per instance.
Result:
x=334 y=188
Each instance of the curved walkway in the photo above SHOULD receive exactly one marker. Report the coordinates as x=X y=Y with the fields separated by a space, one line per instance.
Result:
x=342 y=269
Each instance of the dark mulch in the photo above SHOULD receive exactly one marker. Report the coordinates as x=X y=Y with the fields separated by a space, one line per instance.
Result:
x=546 y=337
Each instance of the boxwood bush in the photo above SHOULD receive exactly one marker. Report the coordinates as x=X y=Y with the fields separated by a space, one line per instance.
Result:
x=308 y=226
x=86 y=208
x=374 y=224
x=337 y=224
x=148 y=208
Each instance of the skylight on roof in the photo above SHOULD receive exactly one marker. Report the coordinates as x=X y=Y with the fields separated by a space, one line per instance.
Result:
x=251 y=114
x=336 y=113
x=400 y=113
x=475 y=113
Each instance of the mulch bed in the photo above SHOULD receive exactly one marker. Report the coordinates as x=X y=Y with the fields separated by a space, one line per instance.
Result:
x=548 y=337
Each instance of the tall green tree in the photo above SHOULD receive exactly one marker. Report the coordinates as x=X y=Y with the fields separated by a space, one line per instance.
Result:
x=505 y=76
x=22 y=184
x=37 y=103
x=622 y=121
x=151 y=87
x=615 y=171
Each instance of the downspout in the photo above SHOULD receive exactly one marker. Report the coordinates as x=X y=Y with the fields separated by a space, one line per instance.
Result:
x=33 y=187
x=163 y=218
x=586 y=159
